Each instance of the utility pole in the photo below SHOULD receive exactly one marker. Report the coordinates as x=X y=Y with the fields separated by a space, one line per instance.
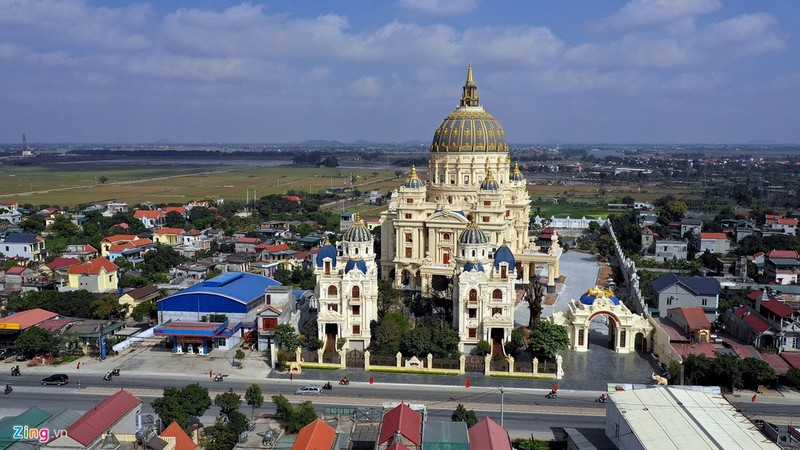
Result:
x=502 y=404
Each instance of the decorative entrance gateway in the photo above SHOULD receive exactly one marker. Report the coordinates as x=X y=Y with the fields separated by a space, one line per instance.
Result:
x=624 y=327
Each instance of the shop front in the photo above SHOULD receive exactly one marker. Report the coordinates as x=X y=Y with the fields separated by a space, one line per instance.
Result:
x=199 y=338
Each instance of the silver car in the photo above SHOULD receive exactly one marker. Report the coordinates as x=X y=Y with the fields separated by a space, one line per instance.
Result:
x=309 y=390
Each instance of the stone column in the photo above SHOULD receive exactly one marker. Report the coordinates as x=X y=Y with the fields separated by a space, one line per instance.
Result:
x=510 y=364
x=487 y=365
x=399 y=360
x=559 y=367
x=342 y=358
x=430 y=361
x=319 y=355
x=551 y=279
x=462 y=364
x=366 y=360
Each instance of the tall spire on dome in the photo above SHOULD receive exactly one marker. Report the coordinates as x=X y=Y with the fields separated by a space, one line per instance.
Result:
x=470 y=95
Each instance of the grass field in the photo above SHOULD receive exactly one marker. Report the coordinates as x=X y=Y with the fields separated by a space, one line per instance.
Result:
x=68 y=185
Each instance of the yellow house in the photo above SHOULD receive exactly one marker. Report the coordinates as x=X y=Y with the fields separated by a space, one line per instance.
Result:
x=168 y=236
x=98 y=275
x=139 y=295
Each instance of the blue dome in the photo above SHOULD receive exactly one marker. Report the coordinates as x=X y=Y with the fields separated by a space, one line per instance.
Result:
x=357 y=264
x=489 y=183
x=328 y=251
x=516 y=175
x=357 y=233
x=597 y=292
x=413 y=180
x=504 y=255
x=472 y=235
x=470 y=266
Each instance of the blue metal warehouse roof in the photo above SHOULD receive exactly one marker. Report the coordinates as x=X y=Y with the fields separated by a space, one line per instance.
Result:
x=240 y=287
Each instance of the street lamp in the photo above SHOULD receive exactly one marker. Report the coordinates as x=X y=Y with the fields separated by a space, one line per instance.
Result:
x=502 y=404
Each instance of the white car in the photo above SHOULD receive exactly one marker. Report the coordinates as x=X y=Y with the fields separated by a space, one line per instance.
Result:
x=309 y=390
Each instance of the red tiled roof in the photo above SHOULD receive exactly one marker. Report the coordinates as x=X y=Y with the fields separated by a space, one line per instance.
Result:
x=292 y=198
x=60 y=263
x=317 y=435
x=120 y=238
x=193 y=232
x=488 y=435
x=148 y=214
x=755 y=323
x=793 y=358
x=776 y=362
x=141 y=242
x=404 y=420
x=741 y=312
x=29 y=318
x=165 y=230
x=753 y=296
x=713 y=236
x=695 y=318
x=787 y=221
x=647 y=230
x=300 y=255
x=701 y=348
x=397 y=446
x=674 y=333
x=182 y=440
x=177 y=209
x=55 y=324
x=93 y=267
x=120 y=247
x=276 y=247
x=780 y=309
x=103 y=416
x=16 y=270
x=247 y=240
x=782 y=254
x=89 y=248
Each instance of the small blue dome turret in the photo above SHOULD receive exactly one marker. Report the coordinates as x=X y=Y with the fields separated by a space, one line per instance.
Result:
x=472 y=235
x=516 y=175
x=473 y=265
x=355 y=264
x=489 y=183
x=413 y=181
x=598 y=292
x=358 y=232
x=504 y=255
x=327 y=251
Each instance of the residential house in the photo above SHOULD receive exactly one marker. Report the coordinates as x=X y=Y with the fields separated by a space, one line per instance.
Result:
x=98 y=275
x=126 y=246
x=488 y=435
x=182 y=440
x=744 y=324
x=177 y=209
x=83 y=252
x=96 y=429
x=695 y=226
x=9 y=211
x=280 y=253
x=193 y=241
x=20 y=278
x=134 y=297
x=713 y=242
x=782 y=266
x=317 y=435
x=246 y=244
x=784 y=320
x=14 y=276
x=671 y=291
x=23 y=245
x=267 y=319
x=168 y=236
x=780 y=224
x=648 y=239
x=57 y=270
x=113 y=207
x=667 y=250
x=346 y=220
x=693 y=322
x=401 y=425
x=151 y=218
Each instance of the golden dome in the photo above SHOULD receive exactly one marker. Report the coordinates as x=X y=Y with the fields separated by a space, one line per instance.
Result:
x=469 y=128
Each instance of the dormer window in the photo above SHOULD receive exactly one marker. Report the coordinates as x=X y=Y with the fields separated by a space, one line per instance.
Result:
x=503 y=272
x=327 y=267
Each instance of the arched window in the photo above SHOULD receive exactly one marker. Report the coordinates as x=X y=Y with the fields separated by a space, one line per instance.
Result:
x=446 y=236
x=332 y=291
x=356 y=250
x=503 y=272
x=497 y=294
x=356 y=292
x=327 y=267
x=473 y=295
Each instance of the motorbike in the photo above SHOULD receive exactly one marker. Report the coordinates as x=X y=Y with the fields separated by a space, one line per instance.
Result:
x=115 y=372
x=327 y=385
x=7 y=390
x=218 y=377
x=344 y=382
x=15 y=371
x=552 y=394
x=107 y=376
x=602 y=398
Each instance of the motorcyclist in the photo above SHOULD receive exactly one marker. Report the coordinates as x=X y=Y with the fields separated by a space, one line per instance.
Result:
x=7 y=389
x=344 y=380
x=107 y=376
x=603 y=398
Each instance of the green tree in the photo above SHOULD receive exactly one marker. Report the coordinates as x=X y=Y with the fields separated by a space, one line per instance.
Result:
x=462 y=414
x=793 y=376
x=169 y=407
x=483 y=348
x=254 y=398
x=228 y=401
x=239 y=354
x=195 y=399
x=416 y=342
x=35 y=340
x=390 y=298
x=145 y=310
x=293 y=420
x=103 y=179
x=62 y=226
x=220 y=436
x=547 y=339
x=174 y=219
x=756 y=372
x=516 y=342
x=389 y=333
x=286 y=337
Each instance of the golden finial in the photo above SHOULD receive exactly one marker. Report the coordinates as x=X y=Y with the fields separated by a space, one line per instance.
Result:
x=470 y=82
x=327 y=239
x=413 y=170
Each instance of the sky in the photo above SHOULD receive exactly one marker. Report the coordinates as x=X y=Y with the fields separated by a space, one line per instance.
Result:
x=287 y=71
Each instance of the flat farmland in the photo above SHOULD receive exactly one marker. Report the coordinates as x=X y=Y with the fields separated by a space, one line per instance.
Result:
x=78 y=184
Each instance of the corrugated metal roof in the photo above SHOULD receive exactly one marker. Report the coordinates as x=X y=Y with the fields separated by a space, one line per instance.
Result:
x=240 y=286
x=445 y=436
x=697 y=285
x=31 y=417
x=780 y=309
x=102 y=417
x=28 y=318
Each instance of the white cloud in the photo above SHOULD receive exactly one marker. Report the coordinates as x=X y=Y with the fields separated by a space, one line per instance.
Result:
x=745 y=34
x=439 y=7
x=654 y=13
x=366 y=87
